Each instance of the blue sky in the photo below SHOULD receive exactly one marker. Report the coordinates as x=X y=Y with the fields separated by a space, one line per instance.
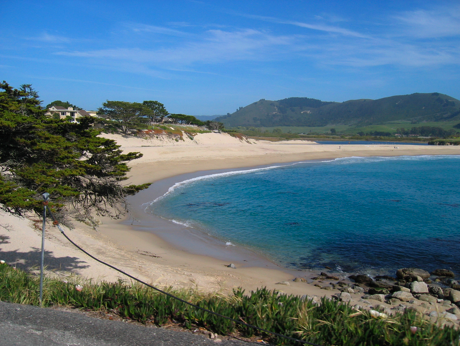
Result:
x=211 y=57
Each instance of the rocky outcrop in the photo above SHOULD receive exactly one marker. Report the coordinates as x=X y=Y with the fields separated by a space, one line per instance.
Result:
x=412 y=274
x=443 y=273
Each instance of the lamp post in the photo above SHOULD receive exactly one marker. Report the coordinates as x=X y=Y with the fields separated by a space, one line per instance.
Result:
x=46 y=196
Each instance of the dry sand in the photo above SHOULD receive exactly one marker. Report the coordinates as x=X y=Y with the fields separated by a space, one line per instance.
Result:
x=149 y=257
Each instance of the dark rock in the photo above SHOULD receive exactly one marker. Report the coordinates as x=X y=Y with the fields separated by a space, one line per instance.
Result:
x=455 y=287
x=384 y=277
x=329 y=277
x=342 y=284
x=411 y=274
x=446 y=291
x=373 y=290
x=361 y=279
x=436 y=291
x=383 y=283
x=397 y=288
x=443 y=272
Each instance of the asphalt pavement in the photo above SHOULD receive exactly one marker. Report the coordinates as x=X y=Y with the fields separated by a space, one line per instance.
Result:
x=25 y=325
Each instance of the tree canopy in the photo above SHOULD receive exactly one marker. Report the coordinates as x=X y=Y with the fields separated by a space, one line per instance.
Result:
x=156 y=111
x=68 y=160
x=127 y=114
x=60 y=103
x=186 y=119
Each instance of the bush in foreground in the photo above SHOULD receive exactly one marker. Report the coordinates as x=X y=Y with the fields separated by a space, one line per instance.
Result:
x=328 y=323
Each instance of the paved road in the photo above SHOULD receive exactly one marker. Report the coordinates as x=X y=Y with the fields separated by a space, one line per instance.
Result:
x=24 y=325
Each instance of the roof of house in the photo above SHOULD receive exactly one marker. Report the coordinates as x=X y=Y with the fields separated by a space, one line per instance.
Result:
x=83 y=113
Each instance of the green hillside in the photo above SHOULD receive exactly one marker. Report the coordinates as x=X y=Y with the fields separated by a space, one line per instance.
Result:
x=298 y=111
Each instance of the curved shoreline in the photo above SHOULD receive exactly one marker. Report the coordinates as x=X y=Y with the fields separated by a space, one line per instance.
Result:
x=198 y=242
x=189 y=239
x=165 y=165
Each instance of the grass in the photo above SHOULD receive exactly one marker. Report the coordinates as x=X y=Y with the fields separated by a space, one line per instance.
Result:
x=390 y=127
x=327 y=323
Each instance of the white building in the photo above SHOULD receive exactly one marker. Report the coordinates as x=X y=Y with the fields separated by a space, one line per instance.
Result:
x=74 y=114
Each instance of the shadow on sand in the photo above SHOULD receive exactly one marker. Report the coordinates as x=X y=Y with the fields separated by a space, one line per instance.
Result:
x=30 y=260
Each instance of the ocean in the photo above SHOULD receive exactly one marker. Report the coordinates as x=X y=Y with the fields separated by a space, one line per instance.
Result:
x=368 y=215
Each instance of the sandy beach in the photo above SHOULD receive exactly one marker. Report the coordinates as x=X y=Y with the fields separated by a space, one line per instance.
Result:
x=193 y=261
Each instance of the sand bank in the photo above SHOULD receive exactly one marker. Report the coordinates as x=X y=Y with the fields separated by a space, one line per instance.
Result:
x=131 y=245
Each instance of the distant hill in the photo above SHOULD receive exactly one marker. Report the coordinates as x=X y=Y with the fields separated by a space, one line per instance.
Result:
x=303 y=111
x=206 y=117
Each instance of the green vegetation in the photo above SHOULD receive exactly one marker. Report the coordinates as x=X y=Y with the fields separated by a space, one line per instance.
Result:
x=326 y=323
x=155 y=111
x=68 y=160
x=128 y=114
x=59 y=103
x=449 y=141
x=385 y=115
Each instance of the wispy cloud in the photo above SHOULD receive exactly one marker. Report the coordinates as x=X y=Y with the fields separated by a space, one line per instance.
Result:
x=395 y=54
x=47 y=38
x=312 y=26
x=74 y=80
x=439 y=22
x=214 y=47
x=319 y=43
x=140 y=28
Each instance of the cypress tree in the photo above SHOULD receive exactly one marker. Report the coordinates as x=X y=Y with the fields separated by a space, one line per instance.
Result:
x=68 y=160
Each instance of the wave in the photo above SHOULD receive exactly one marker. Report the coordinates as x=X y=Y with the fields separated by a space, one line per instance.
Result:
x=341 y=160
x=372 y=159
x=213 y=176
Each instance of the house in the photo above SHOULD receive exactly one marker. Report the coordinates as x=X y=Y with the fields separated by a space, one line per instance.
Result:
x=69 y=113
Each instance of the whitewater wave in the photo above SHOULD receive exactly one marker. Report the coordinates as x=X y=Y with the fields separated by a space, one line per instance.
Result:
x=372 y=159
x=210 y=177
x=340 y=160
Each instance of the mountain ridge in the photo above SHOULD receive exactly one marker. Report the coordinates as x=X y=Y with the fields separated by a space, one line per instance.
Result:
x=304 y=111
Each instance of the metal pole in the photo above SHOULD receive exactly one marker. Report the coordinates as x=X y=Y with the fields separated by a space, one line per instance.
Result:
x=46 y=195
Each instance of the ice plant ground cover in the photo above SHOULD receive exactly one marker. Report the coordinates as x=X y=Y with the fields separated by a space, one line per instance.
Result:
x=327 y=323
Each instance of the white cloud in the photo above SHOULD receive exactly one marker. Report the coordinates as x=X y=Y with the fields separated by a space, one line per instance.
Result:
x=317 y=27
x=214 y=47
x=440 y=22
x=45 y=37
x=156 y=30
x=320 y=44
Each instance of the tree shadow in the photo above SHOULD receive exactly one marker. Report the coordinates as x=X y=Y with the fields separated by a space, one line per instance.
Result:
x=4 y=239
x=30 y=261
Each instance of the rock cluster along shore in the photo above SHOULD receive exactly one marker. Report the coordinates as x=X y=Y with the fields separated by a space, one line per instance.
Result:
x=436 y=295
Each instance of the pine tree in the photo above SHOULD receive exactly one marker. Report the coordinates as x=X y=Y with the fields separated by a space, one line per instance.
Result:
x=68 y=160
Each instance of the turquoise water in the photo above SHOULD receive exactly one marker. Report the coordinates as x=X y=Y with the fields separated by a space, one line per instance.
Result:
x=369 y=215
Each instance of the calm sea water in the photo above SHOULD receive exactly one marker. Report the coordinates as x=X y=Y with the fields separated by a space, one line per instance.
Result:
x=368 y=215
